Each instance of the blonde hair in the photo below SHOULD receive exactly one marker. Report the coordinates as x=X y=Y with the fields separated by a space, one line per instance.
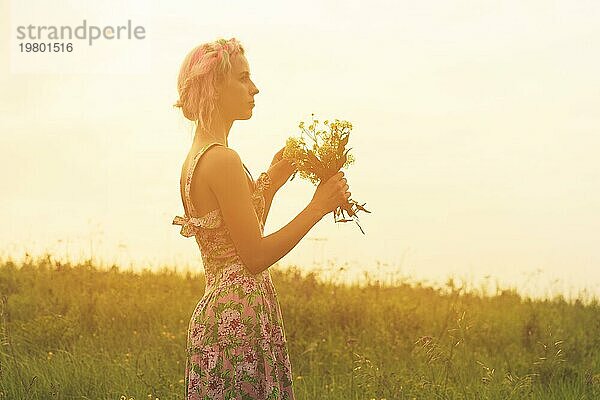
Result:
x=202 y=69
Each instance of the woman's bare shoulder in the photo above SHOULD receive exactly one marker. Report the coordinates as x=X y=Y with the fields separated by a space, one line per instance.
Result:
x=221 y=160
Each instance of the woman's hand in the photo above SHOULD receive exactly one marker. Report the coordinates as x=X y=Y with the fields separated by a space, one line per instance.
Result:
x=331 y=194
x=280 y=170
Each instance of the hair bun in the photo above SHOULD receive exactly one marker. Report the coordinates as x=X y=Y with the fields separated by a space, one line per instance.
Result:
x=190 y=113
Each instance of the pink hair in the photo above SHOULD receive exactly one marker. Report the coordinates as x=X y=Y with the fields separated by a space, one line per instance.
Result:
x=202 y=69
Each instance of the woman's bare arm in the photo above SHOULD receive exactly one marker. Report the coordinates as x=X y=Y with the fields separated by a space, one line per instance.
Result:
x=228 y=182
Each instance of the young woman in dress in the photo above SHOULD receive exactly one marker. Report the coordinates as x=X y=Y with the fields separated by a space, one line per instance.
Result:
x=236 y=345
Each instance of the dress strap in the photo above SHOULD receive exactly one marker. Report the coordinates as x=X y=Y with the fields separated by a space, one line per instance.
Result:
x=188 y=220
x=190 y=211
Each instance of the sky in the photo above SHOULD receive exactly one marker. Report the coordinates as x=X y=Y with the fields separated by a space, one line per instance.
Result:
x=475 y=132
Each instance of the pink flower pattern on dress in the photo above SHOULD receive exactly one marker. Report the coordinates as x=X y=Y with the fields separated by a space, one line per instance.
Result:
x=236 y=344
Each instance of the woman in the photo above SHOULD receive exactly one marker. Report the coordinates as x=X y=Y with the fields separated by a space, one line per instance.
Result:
x=236 y=345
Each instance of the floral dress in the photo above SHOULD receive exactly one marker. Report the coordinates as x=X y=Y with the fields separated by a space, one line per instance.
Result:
x=236 y=344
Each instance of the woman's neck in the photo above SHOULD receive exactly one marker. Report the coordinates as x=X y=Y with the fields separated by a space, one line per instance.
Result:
x=217 y=133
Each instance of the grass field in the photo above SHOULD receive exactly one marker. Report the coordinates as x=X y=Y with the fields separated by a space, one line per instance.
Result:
x=90 y=332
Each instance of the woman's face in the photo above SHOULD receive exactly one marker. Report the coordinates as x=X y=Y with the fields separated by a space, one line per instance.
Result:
x=236 y=95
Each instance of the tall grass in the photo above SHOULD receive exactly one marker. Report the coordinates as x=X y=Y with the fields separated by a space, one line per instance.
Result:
x=85 y=331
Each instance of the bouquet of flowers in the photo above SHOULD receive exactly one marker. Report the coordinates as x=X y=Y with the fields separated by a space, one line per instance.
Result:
x=322 y=160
